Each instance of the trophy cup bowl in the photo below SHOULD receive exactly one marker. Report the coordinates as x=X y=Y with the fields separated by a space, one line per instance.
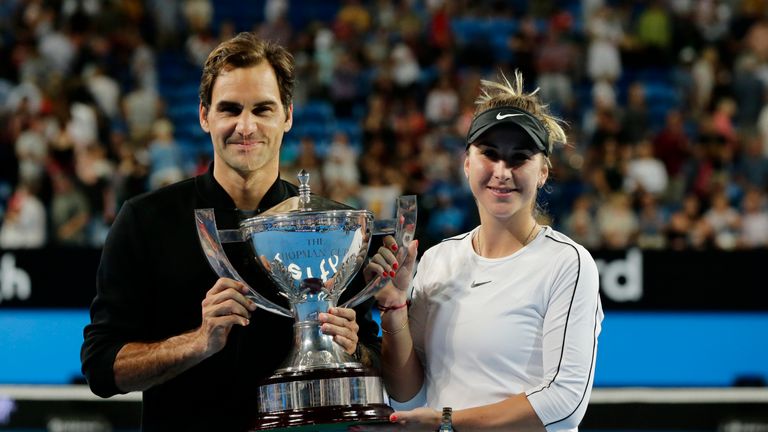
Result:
x=311 y=248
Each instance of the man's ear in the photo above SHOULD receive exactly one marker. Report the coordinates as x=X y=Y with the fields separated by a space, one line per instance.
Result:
x=203 y=117
x=289 y=119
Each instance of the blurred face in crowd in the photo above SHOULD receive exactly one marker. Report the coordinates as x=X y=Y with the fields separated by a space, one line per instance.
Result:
x=504 y=180
x=246 y=119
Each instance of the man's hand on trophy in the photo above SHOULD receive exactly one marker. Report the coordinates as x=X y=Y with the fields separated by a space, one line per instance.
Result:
x=386 y=264
x=341 y=323
x=224 y=305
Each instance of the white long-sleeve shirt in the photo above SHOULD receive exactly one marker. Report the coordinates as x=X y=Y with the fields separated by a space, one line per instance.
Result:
x=487 y=329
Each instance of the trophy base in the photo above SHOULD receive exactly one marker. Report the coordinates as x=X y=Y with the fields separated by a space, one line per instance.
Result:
x=321 y=400
x=326 y=419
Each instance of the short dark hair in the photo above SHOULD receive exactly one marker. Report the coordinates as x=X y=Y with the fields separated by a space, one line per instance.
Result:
x=246 y=50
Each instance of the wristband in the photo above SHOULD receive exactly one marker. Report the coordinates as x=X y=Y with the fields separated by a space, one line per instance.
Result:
x=384 y=309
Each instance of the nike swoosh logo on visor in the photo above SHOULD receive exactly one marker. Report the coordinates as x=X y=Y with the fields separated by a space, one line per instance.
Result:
x=499 y=116
x=477 y=284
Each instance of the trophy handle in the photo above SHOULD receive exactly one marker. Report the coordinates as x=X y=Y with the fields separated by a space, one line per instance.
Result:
x=205 y=220
x=405 y=229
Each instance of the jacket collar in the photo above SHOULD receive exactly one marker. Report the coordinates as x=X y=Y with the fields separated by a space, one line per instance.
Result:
x=214 y=195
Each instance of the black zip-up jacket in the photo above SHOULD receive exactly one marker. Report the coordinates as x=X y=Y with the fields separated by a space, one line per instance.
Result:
x=151 y=281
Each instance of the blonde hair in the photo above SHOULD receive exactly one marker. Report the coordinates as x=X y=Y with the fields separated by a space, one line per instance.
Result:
x=503 y=93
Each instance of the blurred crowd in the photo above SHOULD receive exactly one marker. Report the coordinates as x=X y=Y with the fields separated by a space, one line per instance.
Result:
x=664 y=102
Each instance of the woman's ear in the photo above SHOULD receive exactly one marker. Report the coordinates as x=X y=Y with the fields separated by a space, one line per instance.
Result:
x=466 y=165
x=543 y=175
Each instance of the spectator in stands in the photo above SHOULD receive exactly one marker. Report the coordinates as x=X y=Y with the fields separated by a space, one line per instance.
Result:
x=605 y=36
x=704 y=70
x=710 y=163
x=446 y=219
x=645 y=173
x=523 y=45
x=161 y=322
x=672 y=146
x=70 y=212
x=762 y=126
x=617 y=222
x=752 y=168
x=57 y=48
x=308 y=160
x=276 y=29
x=24 y=223
x=749 y=93
x=753 y=231
x=405 y=69
x=94 y=176
x=509 y=272
x=352 y=20
x=442 y=103
x=652 y=222
x=131 y=174
x=199 y=44
x=32 y=151
x=722 y=121
x=110 y=48
x=197 y=14
x=165 y=159
x=723 y=220
x=141 y=107
x=409 y=121
x=686 y=229
x=344 y=86
x=609 y=171
x=143 y=69
x=324 y=56
x=580 y=224
x=105 y=90
x=555 y=60
x=340 y=165
x=654 y=33
x=635 y=120
x=378 y=195
x=711 y=18
x=377 y=122
x=165 y=15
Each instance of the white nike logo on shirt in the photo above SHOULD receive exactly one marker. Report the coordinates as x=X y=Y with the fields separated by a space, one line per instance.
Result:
x=499 y=116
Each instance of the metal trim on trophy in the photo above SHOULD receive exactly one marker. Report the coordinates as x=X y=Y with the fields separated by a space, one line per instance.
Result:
x=311 y=248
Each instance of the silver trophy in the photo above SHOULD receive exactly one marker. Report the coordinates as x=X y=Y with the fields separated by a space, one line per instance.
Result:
x=311 y=248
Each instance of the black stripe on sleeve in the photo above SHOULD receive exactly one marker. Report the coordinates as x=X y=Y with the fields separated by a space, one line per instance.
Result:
x=565 y=332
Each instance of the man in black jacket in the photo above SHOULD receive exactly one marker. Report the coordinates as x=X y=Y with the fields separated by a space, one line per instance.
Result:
x=161 y=322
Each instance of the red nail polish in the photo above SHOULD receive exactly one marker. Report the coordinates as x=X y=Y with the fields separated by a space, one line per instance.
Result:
x=394 y=247
x=392 y=273
x=384 y=274
x=393 y=418
x=395 y=266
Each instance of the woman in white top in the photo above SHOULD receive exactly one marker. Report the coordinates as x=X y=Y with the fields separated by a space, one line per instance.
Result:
x=502 y=322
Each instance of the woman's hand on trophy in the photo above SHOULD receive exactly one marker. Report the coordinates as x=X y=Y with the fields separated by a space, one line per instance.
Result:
x=341 y=323
x=419 y=419
x=386 y=263
x=224 y=306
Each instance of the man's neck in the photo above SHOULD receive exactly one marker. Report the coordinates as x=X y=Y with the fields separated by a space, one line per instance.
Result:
x=248 y=190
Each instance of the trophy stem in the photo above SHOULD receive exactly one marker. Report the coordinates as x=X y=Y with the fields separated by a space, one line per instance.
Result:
x=312 y=349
